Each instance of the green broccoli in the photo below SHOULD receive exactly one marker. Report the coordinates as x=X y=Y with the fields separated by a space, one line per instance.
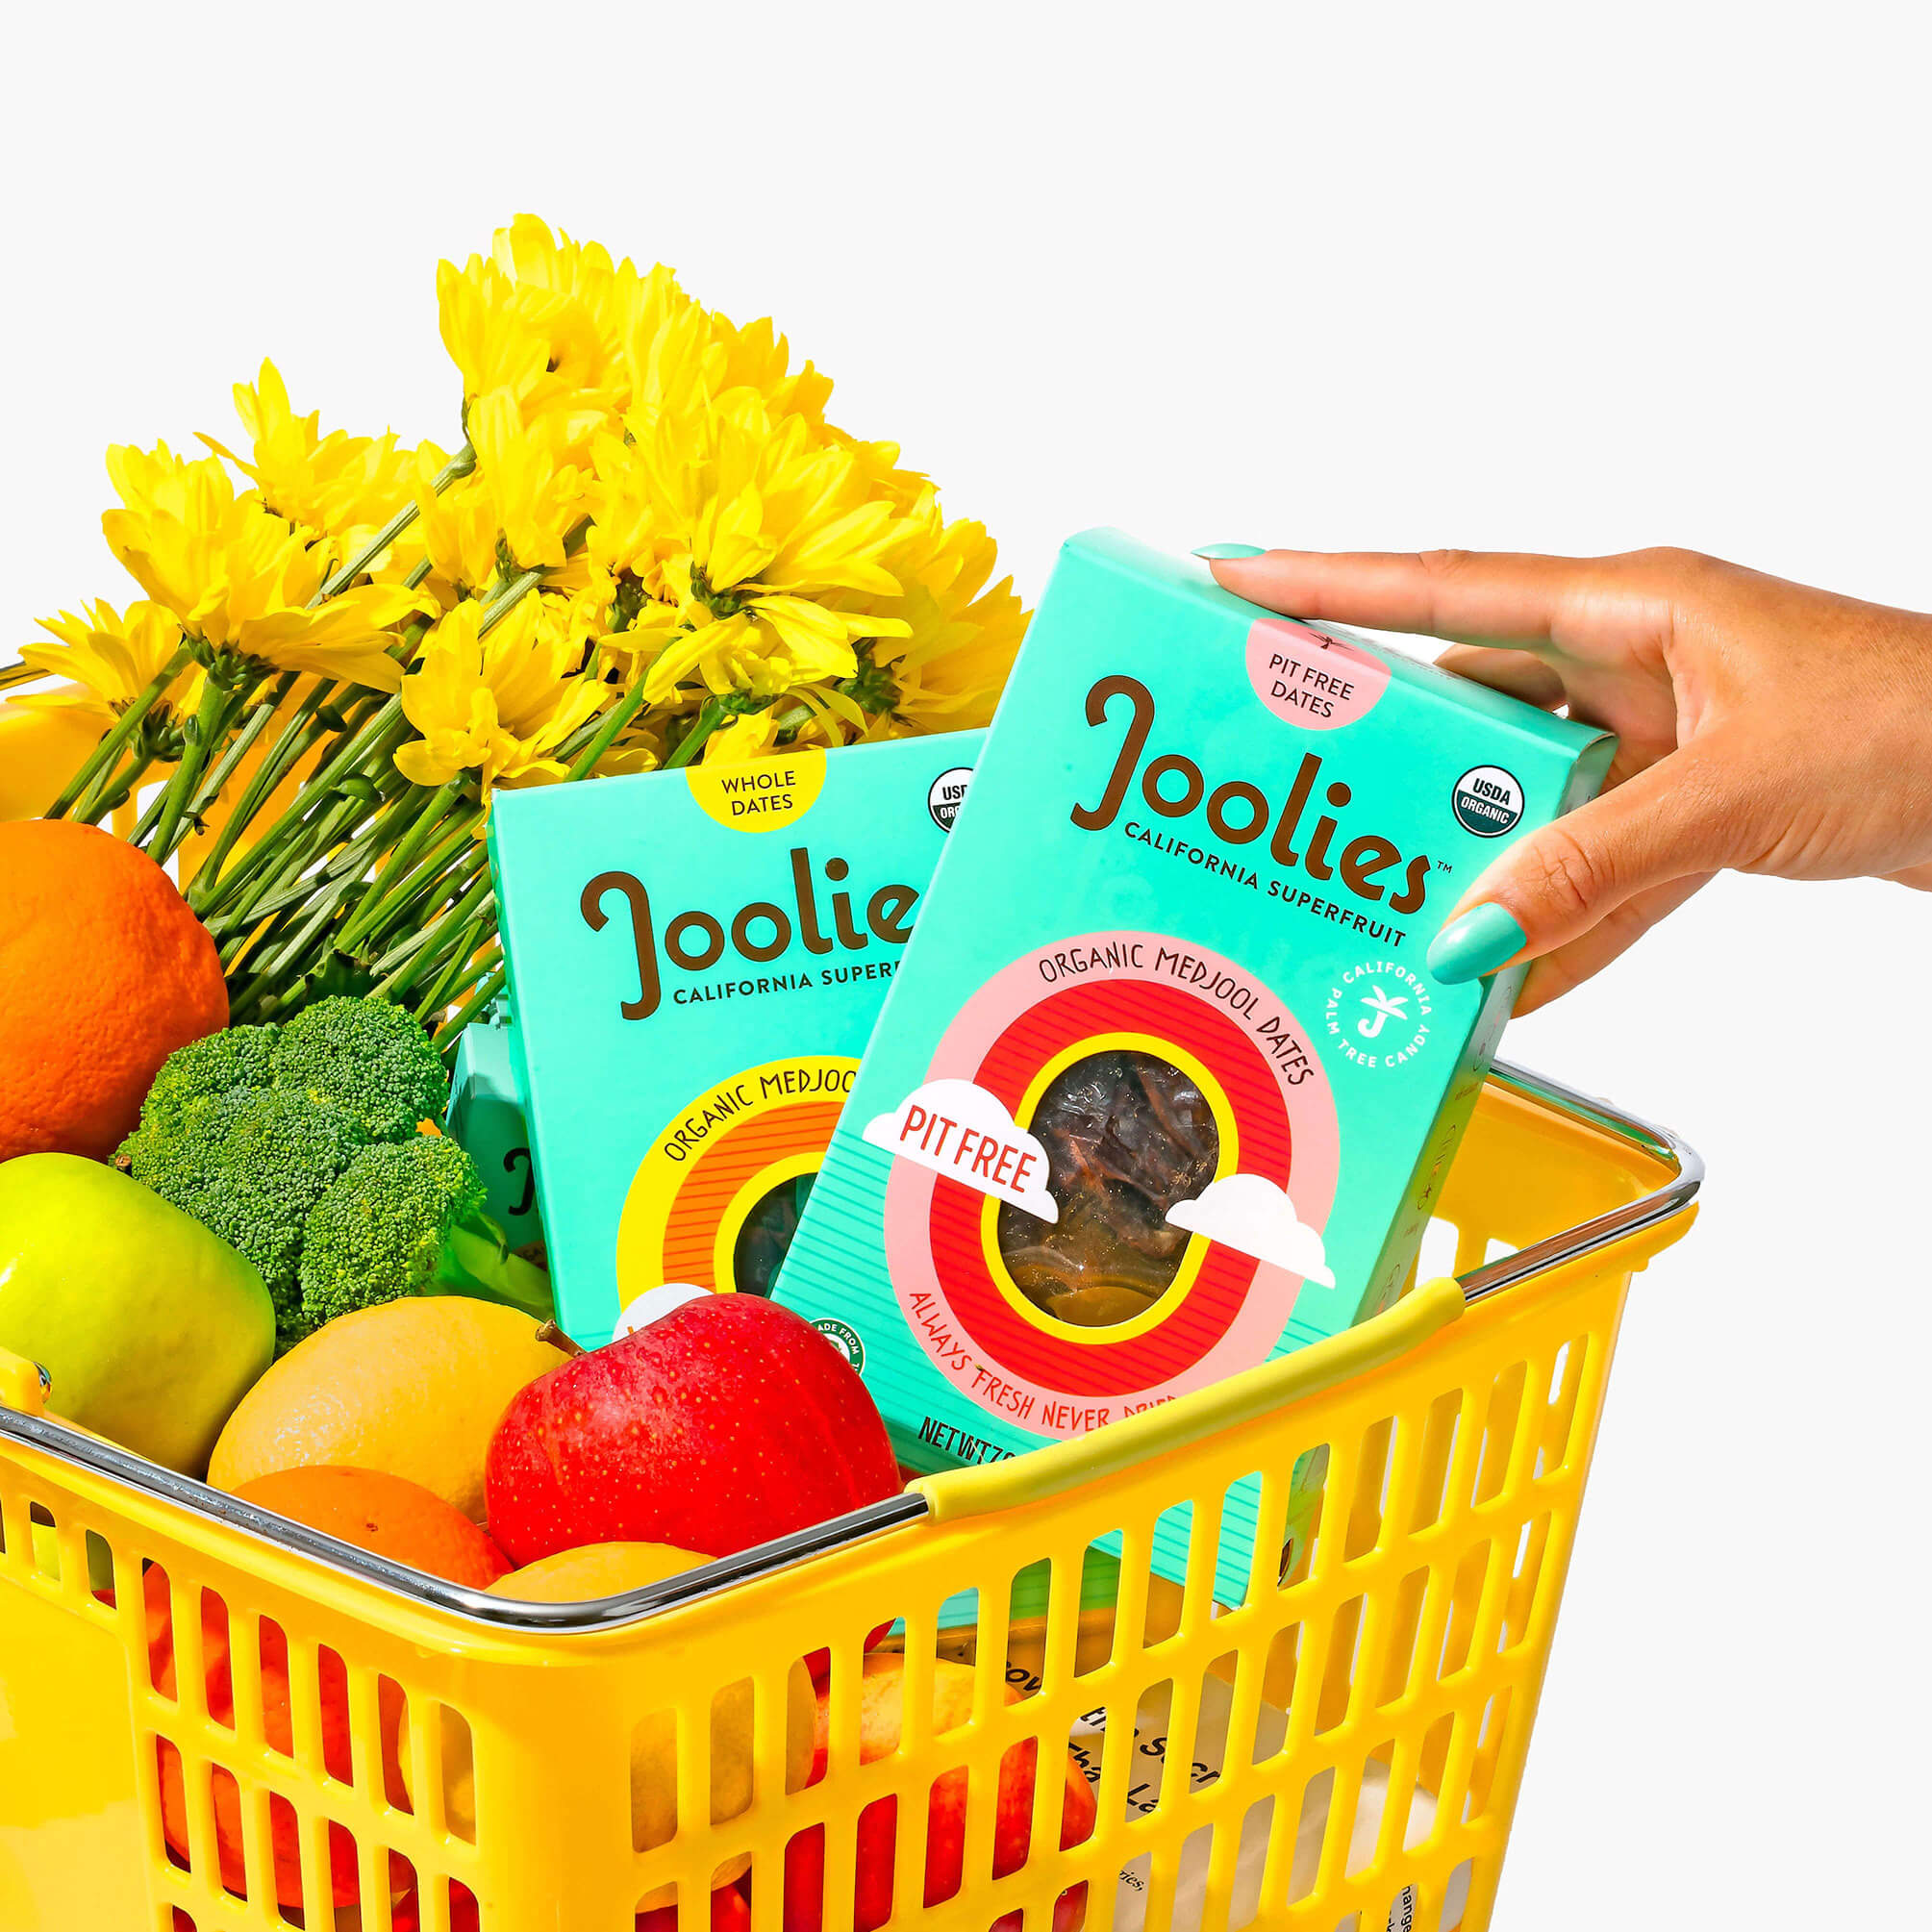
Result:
x=406 y=1218
x=249 y=1163
x=367 y=1056
x=247 y=1129
x=204 y=1069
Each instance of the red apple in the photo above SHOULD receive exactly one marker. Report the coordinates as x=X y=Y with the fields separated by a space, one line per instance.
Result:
x=724 y=1423
x=881 y=1709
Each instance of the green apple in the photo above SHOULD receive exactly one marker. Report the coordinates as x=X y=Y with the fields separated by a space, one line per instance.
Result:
x=151 y=1327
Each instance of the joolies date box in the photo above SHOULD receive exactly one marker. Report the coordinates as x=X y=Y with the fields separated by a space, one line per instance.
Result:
x=1163 y=1087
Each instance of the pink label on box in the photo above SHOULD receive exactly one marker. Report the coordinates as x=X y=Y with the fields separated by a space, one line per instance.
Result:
x=1310 y=679
x=1096 y=985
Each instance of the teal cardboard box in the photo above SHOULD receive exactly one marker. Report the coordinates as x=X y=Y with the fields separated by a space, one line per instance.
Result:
x=486 y=1117
x=1165 y=1087
x=695 y=962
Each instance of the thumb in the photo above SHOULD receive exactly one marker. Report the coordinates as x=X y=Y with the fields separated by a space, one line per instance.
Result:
x=1680 y=818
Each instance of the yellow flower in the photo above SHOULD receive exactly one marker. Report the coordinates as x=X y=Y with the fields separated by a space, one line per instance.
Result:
x=623 y=306
x=526 y=467
x=336 y=484
x=757 y=356
x=498 y=704
x=744 y=525
x=552 y=322
x=749 y=736
x=454 y=530
x=238 y=578
x=960 y=637
x=109 y=660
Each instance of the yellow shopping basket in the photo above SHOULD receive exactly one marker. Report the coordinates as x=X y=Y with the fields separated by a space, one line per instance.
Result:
x=1337 y=1747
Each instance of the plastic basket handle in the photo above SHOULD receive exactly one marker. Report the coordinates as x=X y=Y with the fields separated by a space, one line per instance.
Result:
x=1135 y=1440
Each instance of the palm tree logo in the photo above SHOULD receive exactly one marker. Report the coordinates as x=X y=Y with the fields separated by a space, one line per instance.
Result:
x=1382 y=1009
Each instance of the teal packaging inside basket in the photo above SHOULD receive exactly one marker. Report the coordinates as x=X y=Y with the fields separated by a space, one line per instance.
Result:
x=486 y=1117
x=1165 y=1087
x=695 y=961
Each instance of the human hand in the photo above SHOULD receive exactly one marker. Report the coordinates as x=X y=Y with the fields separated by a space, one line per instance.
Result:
x=1762 y=727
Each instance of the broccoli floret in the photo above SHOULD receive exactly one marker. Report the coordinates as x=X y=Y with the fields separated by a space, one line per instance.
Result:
x=206 y=1068
x=406 y=1218
x=249 y=1163
x=366 y=1055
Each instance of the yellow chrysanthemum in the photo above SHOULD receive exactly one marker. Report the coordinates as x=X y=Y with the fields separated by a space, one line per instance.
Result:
x=744 y=524
x=336 y=485
x=455 y=533
x=238 y=578
x=497 y=704
x=740 y=739
x=757 y=356
x=623 y=306
x=552 y=323
x=110 y=659
x=536 y=488
x=961 y=637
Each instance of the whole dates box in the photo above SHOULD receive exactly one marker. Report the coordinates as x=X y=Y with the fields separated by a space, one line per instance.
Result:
x=695 y=961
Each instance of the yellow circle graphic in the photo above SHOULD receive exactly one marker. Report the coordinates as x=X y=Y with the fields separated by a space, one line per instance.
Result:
x=765 y=794
x=713 y=1162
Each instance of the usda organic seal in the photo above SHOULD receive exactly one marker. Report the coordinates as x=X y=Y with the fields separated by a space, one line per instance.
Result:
x=844 y=1339
x=1487 y=801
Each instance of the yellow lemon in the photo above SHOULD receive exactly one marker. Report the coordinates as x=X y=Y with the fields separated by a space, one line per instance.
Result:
x=413 y=1388
x=607 y=1570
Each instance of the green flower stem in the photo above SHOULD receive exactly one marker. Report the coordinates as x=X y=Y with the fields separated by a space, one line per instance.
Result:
x=452 y=902
x=524 y=582
x=710 y=714
x=349 y=862
x=116 y=782
x=19 y=672
x=460 y=465
x=376 y=914
x=451 y=1030
x=201 y=793
x=108 y=750
x=461 y=954
x=113 y=790
x=480 y=898
x=457 y=887
x=607 y=734
x=300 y=731
x=240 y=744
x=220 y=698
x=401 y=855
x=318 y=893
x=363 y=741
x=335 y=812
x=250 y=1001
x=490 y=966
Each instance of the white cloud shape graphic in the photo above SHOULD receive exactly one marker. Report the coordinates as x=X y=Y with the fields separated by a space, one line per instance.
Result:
x=1250 y=1213
x=964 y=1133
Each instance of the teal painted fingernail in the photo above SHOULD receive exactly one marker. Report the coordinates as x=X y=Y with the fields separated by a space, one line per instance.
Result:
x=1474 y=946
x=1229 y=553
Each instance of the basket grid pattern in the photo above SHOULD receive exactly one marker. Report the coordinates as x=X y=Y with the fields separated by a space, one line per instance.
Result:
x=1334 y=1746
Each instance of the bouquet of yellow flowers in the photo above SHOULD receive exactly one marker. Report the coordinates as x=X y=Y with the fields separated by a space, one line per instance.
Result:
x=650 y=547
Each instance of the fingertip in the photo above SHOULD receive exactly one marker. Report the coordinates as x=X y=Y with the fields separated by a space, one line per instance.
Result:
x=1476 y=944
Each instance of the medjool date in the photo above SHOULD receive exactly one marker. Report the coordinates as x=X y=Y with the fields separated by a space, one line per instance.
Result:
x=1127 y=1135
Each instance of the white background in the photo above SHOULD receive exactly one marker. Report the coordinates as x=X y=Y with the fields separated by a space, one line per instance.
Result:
x=1569 y=278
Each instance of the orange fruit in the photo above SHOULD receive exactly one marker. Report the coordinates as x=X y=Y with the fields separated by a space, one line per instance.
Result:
x=104 y=972
x=416 y=1387
x=387 y=1514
